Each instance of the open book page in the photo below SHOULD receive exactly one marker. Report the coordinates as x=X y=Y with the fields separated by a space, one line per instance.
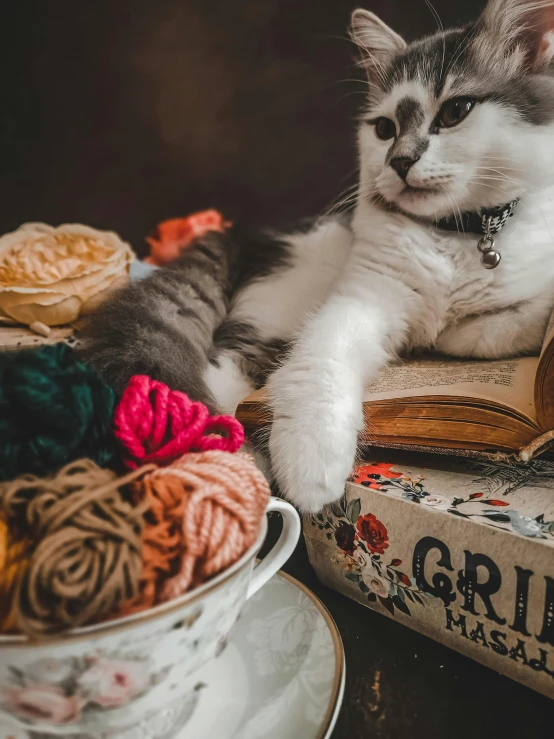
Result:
x=508 y=382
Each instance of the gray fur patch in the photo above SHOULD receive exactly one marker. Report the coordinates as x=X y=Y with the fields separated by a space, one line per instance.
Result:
x=409 y=114
x=432 y=59
x=410 y=142
x=532 y=97
x=255 y=357
x=458 y=54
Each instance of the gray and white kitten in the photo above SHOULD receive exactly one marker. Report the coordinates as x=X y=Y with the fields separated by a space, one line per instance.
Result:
x=455 y=123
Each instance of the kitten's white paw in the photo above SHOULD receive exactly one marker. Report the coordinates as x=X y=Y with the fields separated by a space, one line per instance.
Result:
x=312 y=446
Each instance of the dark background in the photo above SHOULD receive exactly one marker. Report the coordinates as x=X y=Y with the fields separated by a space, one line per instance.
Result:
x=121 y=113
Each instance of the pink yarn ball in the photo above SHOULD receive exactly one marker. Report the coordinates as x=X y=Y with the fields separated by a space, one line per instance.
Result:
x=224 y=499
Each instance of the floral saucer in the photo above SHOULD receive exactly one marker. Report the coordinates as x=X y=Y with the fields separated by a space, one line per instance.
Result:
x=280 y=677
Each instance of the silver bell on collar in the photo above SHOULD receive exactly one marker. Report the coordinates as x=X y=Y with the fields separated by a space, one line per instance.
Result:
x=490 y=258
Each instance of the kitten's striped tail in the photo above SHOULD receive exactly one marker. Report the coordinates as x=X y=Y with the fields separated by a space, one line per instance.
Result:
x=164 y=325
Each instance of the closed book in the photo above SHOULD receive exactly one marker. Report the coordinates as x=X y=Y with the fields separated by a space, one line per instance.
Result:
x=461 y=550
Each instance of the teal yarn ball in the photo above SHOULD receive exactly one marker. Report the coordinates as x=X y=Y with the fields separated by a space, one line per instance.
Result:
x=53 y=409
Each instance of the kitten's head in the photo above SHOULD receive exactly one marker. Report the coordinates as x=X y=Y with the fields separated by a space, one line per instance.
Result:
x=463 y=119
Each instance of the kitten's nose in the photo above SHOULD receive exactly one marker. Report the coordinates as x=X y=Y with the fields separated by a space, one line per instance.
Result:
x=402 y=165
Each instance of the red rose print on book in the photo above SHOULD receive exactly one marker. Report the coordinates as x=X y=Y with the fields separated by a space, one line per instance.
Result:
x=362 y=539
x=345 y=535
x=373 y=533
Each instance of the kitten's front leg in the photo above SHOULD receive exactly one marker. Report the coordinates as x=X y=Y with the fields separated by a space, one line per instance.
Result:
x=316 y=396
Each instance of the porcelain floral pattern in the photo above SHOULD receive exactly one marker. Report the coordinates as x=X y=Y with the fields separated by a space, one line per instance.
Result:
x=161 y=725
x=120 y=682
x=60 y=691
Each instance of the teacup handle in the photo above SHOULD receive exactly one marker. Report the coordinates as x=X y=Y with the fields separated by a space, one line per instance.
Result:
x=283 y=547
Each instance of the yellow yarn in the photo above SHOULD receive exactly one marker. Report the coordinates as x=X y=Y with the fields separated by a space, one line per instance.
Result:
x=13 y=564
x=3 y=547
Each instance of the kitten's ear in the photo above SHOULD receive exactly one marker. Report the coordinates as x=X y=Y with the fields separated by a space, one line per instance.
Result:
x=524 y=29
x=378 y=43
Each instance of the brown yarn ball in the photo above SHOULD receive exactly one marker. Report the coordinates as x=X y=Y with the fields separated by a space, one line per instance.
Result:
x=89 y=553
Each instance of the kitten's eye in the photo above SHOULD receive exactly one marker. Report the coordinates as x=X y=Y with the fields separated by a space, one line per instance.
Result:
x=454 y=111
x=385 y=128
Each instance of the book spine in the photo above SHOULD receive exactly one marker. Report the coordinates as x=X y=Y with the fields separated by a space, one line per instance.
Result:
x=482 y=591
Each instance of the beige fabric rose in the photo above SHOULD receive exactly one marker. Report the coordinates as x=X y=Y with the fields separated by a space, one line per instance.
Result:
x=53 y=274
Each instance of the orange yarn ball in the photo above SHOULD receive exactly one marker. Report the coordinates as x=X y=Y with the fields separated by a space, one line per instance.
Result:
x=13 y=563
x=3 y=545
x=205 y=512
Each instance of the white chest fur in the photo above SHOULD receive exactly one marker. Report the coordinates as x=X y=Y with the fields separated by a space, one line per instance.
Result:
x=444 y=271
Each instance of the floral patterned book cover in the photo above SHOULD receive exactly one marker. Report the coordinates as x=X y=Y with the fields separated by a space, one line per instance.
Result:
x=461 y=550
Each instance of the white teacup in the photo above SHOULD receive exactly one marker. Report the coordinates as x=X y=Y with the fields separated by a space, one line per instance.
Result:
x=133 y=678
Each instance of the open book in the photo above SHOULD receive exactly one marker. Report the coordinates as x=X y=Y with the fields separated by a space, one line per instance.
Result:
x=481 y=407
